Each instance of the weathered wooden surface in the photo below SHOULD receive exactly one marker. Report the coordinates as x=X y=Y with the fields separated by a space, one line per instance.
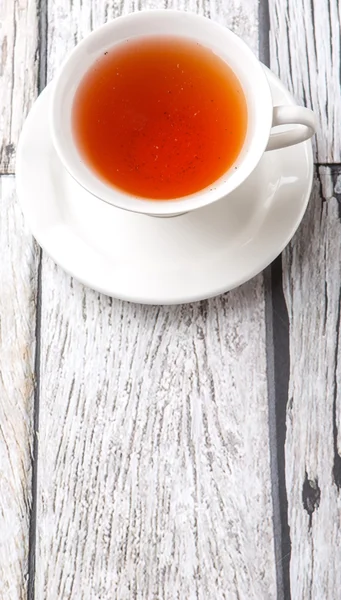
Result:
x=305 y=53
x=18 y=72
x=18 y=283
x=155 y=463
x=312 y=283
x=153 y=449
x=146 y=421
x=18 y=269
x=70 y=21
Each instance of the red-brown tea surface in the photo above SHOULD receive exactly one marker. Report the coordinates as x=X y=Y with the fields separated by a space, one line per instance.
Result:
x=159 y=118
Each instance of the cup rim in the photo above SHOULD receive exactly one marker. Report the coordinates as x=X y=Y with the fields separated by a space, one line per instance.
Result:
x=63 y=139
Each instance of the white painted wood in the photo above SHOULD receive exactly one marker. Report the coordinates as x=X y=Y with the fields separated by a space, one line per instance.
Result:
x=18 y=73
x=71 y=20
x=18 y=268
x=154 y=476
x=153 y=448
x=305 y=53
x=312 y=280
x=153 y=470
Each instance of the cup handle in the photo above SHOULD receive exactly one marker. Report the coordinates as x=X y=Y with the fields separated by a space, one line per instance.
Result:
x=305 y=120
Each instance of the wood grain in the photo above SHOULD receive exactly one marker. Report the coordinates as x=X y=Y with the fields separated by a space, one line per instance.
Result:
x=18 y=270
x=153 y=448
x=18 y=73
x=312 y=280
x=153 y=472
x=305 y=53
x=154 y=476
x=70 y=20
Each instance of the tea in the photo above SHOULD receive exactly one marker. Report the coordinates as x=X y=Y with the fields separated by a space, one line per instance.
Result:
x=159 y=117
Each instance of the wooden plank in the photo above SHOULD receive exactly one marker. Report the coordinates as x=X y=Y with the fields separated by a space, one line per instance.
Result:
x=153 y=447
x=18 y=269
x=239 y=15
x=312 y=281
x=305 y=53
x=71 y=20
x=18 y=73
x=154 y=474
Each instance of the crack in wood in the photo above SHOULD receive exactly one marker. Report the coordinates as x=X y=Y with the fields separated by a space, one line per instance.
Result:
x=41 y=56
x=278 y=359
x=311 y=496
x=337 y=457
x=335 y=172
x=278 y=368
x=35 y=444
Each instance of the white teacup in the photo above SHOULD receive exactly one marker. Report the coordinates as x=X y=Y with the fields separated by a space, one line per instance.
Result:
x=262 y=115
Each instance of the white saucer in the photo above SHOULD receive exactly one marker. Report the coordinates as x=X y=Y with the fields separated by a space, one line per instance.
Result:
x=161 y=261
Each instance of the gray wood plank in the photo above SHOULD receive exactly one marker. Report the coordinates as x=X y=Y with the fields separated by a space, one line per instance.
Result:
x=312 y=283
x=154 y=469
x=18 y=271
x=305 y=53
x=304 y=49
x=18 y=73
